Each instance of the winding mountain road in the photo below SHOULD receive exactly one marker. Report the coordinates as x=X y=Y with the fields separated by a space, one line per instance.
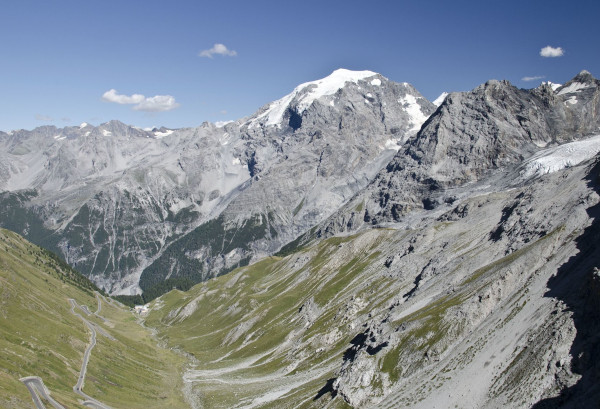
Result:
x=90 y=402
x=36 y=386
x=36 y=389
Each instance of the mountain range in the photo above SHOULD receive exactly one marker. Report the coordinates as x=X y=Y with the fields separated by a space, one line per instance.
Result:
x=381 y=250
x=131 y=208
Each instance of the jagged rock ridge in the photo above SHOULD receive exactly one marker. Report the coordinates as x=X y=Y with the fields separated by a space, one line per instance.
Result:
x=472 y=136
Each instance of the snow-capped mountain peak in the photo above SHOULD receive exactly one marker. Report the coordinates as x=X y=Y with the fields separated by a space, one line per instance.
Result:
x=162 y=132
x=581 y=81
x=438 y=101
x=305 y=94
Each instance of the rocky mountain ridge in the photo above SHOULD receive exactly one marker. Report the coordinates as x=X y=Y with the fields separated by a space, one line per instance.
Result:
x=130 y=207
x=484 y=134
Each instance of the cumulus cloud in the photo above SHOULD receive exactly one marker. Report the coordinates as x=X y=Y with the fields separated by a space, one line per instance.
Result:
x=113 y=96
x=219 y=49
x=44 y=118
x=549 y=51
x=534 y=78
x=157 y=103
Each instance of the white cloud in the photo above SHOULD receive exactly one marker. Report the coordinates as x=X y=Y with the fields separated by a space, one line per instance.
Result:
x=219 y=49
x=549 y=51
x=44 y=118
x=156 y=103
x=534 y=78
x=113 y=96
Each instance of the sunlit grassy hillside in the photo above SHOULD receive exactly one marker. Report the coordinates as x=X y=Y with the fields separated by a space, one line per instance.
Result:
x=40 y=336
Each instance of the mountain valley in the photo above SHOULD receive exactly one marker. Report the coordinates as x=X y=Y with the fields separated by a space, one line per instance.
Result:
x=349 y=245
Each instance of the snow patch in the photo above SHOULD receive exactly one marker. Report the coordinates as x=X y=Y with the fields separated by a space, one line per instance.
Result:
x=159 y=134
x=236 y=161
x=438 y=101
x=83 y=125
x=413 y=109
x=221 y=124
x=106 y=133
x=561 y=157
x=376 y=82
x=332 y=103
x=552 y=85
x=178 y=205
x=574 y=87
x=60 y=137
x=392 y=144
x=88 y=133
x=572 y=100
x=305 y=94
x=224 y=140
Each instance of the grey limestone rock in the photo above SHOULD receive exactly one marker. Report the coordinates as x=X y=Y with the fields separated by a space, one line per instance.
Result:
x=471 y=136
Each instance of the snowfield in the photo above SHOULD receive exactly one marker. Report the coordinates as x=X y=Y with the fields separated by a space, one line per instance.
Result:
x=560 y=157
x=574 y=87
x=413 y=109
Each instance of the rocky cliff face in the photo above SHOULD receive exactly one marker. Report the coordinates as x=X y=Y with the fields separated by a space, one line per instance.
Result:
x=124 y=204
x=473 y=136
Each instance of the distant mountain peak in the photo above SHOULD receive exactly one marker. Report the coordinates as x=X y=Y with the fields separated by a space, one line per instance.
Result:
x=584 y=76
x=439 y=100
x=580 y=82
x=305 y=94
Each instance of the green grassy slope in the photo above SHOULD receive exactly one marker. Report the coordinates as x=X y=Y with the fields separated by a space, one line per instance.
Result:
x=39 y=336
x=392 y=315
x=253 y=332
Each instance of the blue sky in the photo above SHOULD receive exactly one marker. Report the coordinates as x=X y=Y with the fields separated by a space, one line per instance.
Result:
x=60 y=57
